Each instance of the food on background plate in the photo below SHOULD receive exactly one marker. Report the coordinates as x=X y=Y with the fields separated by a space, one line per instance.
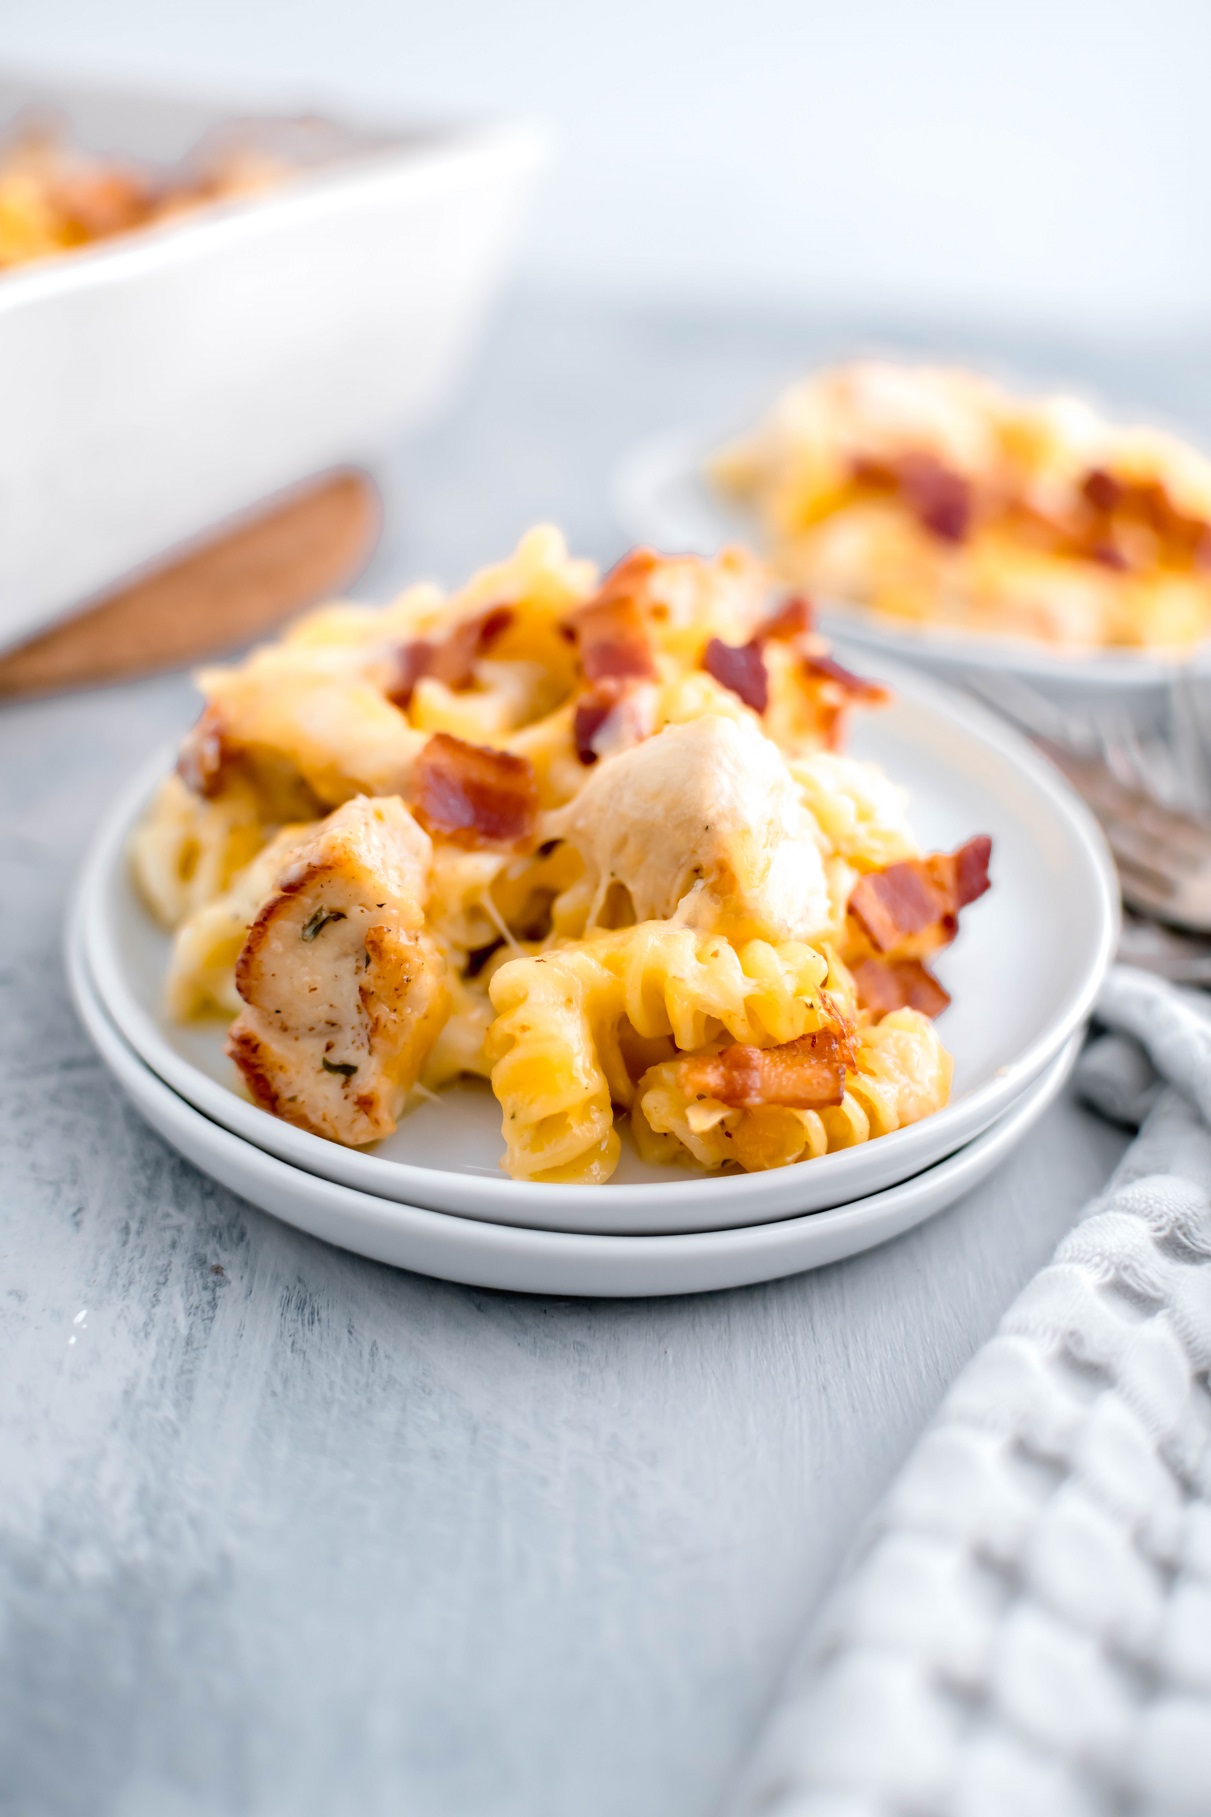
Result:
x=594 y=841
x=938 y=497
x=56 y=199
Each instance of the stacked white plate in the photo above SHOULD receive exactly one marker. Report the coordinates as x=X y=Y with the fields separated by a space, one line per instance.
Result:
x=1023 y=974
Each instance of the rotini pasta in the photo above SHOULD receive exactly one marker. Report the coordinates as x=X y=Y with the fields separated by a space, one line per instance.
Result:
x=571 y=1021
x=901 y=1073
x=186 y=850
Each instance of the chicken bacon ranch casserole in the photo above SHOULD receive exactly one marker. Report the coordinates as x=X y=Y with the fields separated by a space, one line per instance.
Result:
x=55 y=199
x=593 y=841
x=939 y=497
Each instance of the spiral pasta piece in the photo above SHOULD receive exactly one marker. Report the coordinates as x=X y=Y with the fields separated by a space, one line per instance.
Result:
x=901 y=1074
x=565 y=1019
x=557 y=1112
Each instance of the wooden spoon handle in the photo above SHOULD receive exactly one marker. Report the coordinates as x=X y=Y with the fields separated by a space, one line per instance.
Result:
x=217 y=596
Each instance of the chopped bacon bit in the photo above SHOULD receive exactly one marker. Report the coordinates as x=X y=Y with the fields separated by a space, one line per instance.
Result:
x=203 y=754
x=451 y=659
x=628 y=576
x=616 y=657
x=825 y=668
x=939 y=498
x=611 y=716
x=740 y=667
x=807 y=1074
x=614 y=643
x=610 y=627
x=970 y=863
x=1113 y=501
x=494 y=623
x=592 y=711
x=905 y=899
x=886 y=984
x=1101 y=490
x=791 y=620
x=894 y=904
x=474 y=796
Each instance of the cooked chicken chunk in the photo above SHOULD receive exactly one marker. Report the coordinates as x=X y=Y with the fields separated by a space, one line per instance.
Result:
x=344 y=993
x=707 y=808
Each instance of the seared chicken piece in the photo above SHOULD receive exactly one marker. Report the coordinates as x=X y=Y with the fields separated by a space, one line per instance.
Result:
x=344 y=993
x=707 y=811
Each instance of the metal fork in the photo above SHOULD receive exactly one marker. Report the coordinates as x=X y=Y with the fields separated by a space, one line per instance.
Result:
x=1163 y=853
x=1162 y=849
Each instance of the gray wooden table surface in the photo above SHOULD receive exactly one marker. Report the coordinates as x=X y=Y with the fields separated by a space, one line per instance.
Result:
x=284 y=1532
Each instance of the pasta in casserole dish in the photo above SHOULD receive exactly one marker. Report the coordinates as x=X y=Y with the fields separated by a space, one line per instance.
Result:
x=56 y=199
x=594 y=841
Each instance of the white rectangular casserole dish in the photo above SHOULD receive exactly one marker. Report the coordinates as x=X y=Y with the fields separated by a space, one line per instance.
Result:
x=159 y=382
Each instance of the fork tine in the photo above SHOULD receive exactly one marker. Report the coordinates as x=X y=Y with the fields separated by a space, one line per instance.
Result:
x=1134 y=767
x=1168 y=833
x=1147 y=893
x=1141 y=880
x=1151 y=845
x=1036 y=714
x=1163 y=851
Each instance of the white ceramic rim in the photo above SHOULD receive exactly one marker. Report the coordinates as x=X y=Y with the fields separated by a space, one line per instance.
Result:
x=676 y=458
x=512 y=1259
x=424 y=166
x=687 y=1199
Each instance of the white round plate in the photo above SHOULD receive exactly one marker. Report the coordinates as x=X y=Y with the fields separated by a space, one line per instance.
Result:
x=1023 y=973
x=663 y=496
x=499 y=1255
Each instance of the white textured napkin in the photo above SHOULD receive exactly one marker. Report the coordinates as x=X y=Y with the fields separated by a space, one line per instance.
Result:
x=1025 y=1628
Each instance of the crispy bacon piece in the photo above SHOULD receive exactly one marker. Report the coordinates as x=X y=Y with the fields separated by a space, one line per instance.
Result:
x=939 y=498
x=826 y=668
x=203 y=755
x=474 y=796
x=740 y=667
x=1114 y=503
x=450 y=659
x=792 y=619
x=592 y=711
x=886 y=984
x=610 y=629
x=1101 y=490
x=893 y=905
x=970 y=869
x=611 y=716
x=807 y=1074
x=850 y=688
x=616 y=655
x=613 y=640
